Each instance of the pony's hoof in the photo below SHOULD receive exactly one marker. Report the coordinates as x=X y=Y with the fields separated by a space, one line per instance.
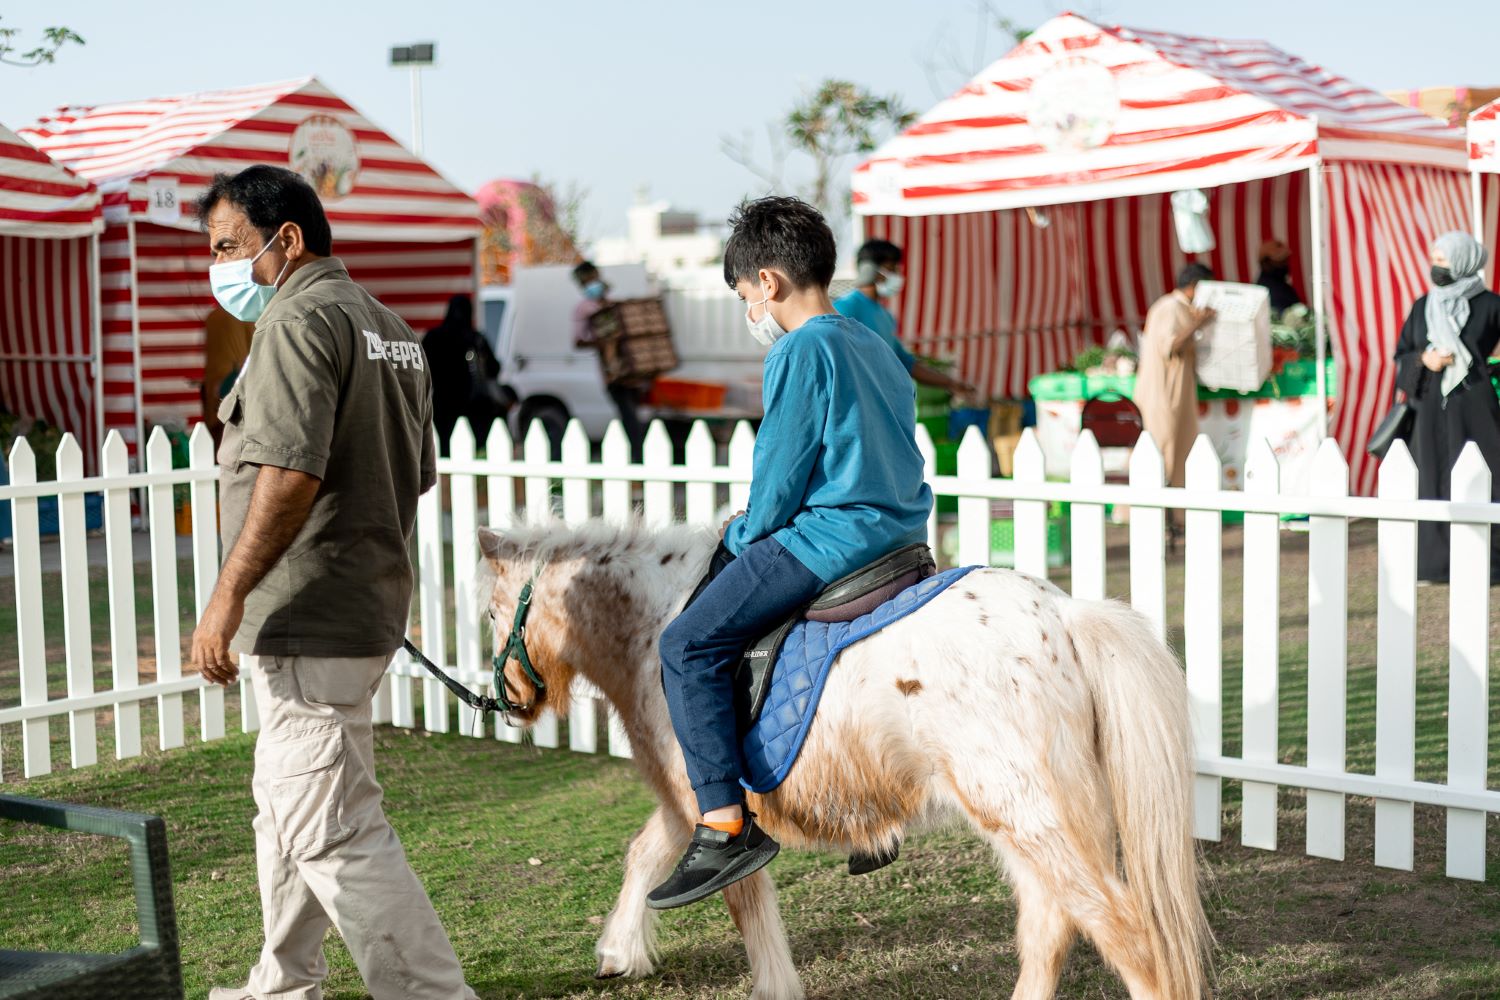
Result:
x=606 y=973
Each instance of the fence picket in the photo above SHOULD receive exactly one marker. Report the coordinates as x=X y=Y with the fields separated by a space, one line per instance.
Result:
x=1468 y=665
x=1262 y=603
x=166 y=631
x=741 y=463
x=1396 y=660
x=974 y=512
x=699 y=455
x=1088 y=521
x=1203 y=633
x=577 y=505
x=1148 y=553
x=656 y=455
x=615 y=453
x=1327 y=651
x=79 y=647
x=120 y=569
x=31 y=639
x=538 y=451
x=929 y=469
x=463 y=498
x=204 y=499
x=1030 y=532
x=430 y=600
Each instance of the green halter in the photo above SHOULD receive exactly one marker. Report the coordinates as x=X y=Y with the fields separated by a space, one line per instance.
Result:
x=515 y=648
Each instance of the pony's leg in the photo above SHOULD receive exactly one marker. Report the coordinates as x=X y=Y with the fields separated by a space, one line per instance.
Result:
x=752 y=904
x=1044 y=932
x=628 y=945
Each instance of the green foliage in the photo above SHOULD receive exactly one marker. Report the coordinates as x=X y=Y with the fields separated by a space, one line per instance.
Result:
x=53 y=39
x=42 y=436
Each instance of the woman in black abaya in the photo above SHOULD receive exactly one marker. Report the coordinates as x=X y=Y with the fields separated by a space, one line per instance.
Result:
x=1442 y=366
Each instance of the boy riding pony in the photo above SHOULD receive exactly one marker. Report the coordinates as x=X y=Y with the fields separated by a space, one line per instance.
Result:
x=837 y=484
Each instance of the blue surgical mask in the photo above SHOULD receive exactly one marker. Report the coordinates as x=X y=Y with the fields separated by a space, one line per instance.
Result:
x=238 y=292
x=594 y=290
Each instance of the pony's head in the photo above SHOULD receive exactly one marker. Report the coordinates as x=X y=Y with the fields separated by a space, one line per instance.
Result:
x=590 y=600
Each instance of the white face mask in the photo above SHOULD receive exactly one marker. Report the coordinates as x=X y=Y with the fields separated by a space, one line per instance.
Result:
x=889 y=285
x=238 y=292
x=766 y=329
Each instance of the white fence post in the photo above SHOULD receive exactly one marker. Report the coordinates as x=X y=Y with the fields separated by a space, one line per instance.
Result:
x=166 y=631
x=973 y=512
x=204 y=498
x=120 y=555
x=1203 y=632
x=1088 y=522
x=1148 y=555
x=699 y=455
x=1327 y=651
x=1396 y=661
x=431 y=598
x=1468 y=665
x=1262 y=666
x=929 y=470
x=615 y=453
x=741 y=462
x=656 y=456
x=73 y=548
x=463 y=497
x=537 y=450
x=31 y=640
x=1031 y=520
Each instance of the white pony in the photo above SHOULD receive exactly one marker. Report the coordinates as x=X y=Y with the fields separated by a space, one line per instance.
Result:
x=1057 y=727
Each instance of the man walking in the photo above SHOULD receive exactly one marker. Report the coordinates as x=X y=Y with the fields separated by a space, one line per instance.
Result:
x=327 y=445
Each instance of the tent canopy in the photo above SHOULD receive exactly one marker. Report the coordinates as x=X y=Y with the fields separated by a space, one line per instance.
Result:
x=153 y=159
x=1484 y=161
x=1484 y=139
x=40 y=198
x=1082 y=112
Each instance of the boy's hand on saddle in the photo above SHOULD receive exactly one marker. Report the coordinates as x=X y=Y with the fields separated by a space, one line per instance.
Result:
x=725 y=526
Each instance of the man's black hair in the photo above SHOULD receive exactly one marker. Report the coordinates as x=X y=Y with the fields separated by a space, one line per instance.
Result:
x=583 y=271
x=1192 y=274
x=270 y=196
x=881 y=253
x=785 y=233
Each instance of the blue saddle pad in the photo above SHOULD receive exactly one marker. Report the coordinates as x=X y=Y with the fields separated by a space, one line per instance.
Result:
x=771 y=746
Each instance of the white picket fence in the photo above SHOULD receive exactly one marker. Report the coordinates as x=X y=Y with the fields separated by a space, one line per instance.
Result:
x=697 y=490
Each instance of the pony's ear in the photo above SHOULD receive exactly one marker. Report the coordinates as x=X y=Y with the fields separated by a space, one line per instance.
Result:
x=492 y=543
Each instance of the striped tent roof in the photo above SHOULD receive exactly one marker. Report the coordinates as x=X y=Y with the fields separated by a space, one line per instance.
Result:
x=153 y=158
x=1484 y=138
x=40 y=198
x=1082 y=112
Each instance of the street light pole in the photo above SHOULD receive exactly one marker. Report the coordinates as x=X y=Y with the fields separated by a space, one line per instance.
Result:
x=415 y=57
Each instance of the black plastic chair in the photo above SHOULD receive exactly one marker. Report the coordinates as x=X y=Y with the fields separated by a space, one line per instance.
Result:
x=150 y=971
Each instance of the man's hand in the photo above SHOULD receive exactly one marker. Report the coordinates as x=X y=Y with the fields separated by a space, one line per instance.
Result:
x=221 y=620
x=1202 y=317
x=964 y=390
x=725 y=526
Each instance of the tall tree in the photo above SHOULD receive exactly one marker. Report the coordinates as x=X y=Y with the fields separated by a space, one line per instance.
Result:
x=53 y=39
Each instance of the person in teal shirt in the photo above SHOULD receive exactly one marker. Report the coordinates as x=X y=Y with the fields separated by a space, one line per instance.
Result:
x=879 y=277
x=836 y=483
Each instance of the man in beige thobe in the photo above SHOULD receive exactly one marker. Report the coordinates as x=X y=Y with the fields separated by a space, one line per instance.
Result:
x=1166 y=382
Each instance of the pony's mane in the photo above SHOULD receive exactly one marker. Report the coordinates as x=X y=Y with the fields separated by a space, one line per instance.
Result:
x=550 y=540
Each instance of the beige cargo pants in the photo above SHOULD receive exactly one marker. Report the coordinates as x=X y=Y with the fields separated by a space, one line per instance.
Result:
x=325 y=853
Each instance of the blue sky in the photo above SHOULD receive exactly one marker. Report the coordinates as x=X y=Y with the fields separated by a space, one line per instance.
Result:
x=615 y=95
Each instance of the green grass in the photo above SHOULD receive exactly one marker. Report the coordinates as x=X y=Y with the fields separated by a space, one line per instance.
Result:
x=939 y=923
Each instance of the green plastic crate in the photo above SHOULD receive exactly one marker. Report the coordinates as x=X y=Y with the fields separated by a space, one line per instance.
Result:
x=1003 y=539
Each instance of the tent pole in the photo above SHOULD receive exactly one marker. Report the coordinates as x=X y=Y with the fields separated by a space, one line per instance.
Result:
x=96 y=331
x=1318 y=225
x=135 y=346
x=1476 y=188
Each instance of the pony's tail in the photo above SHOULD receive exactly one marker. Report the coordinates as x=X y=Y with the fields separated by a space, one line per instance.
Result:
x=1145 y=749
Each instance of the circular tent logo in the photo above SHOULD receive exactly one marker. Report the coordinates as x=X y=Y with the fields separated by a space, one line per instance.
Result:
x=324 y=152
x=1074 y=106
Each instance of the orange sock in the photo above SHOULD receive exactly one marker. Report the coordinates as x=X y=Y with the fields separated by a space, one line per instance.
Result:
x=729 y=826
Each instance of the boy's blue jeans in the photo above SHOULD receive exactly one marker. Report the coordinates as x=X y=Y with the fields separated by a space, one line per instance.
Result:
x=703 y=645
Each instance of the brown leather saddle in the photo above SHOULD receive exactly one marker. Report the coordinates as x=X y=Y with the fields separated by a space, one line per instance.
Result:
x=846 y=599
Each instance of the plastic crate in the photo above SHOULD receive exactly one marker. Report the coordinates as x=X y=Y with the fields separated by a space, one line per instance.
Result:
x=685 y=394
x=947 y=465
x=1003 y=539
x=634 y=339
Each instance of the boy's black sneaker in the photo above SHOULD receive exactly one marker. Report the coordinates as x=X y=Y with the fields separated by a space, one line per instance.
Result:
x=713 y=861
x=861 y=863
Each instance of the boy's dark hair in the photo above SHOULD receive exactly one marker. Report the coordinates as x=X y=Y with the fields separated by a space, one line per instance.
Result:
x=881 y=253
x=270 y=196
x=785 y=233
x=1192 y=274
x=584 y=271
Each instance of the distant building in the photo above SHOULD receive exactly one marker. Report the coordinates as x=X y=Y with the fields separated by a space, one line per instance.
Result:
x=664 y=239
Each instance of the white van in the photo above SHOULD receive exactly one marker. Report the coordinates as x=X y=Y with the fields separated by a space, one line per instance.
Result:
x=529 y=323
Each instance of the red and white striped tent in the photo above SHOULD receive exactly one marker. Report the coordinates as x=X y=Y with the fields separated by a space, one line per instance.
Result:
x=50 y=222
x=1034 y=204
x=405 y=232
x=1484 y=167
